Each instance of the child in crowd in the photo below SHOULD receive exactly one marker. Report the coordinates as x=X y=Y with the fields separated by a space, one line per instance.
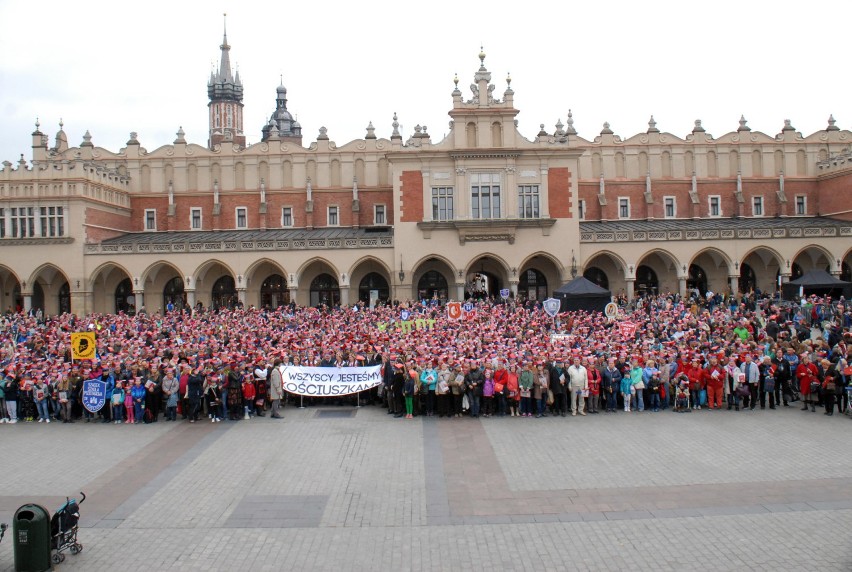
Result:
x=248 y=394
x=682 y=402
x=117 y=401
x=138 y=392
x=488 y=393
x=128 y=406
x=41 y=392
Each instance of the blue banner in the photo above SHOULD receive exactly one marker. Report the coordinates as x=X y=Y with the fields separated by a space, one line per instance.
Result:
x=94 y=394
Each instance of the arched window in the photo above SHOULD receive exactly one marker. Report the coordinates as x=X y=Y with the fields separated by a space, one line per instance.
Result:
x=325 y=290
x=432 y=285
x=596 y=275
x=532 y=285
x=124 y=299
x=173 y=292
x=274 y=292
x=373 y=282
x=646 y=281
x=65 y=299
x=224 y=294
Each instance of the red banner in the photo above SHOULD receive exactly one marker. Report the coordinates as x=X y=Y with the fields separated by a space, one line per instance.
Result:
x=454 y=310
x=627 y=329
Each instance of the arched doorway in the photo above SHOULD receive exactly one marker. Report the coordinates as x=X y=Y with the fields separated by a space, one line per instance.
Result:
x=373 y=286
x=224 y=293
x=274 y=292
x=647 y=283
x=38 y=297
x=481 y=284
x=532 y=285
x=65 y=298
x=748 y=279
x=125 y=301
x=596 y=275
x=432 y=285
x=173 y=293
x=795 y=272
x=18 y=297
x=325 y=290
x=696 y=282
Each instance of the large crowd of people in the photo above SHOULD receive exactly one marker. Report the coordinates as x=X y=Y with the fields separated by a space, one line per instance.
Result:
x=502 y=358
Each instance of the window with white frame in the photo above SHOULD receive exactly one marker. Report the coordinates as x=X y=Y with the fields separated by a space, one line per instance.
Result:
x=801 y=205
x=2 y=222
x=670 y=207
x=195 y=218
x=286 y=216
x=23 y=222
x=528 y=201
x=485 y=195
x=623 y=207
x=757 y=206
x=442 y=203
x=581 y=209
x=379 y=215
x=333 y=219
x=715 y=202
x=241 y=217
x=150 y=219
x=52 y=221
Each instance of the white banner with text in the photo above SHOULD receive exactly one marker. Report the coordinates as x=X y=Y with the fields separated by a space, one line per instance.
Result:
x=330 y=381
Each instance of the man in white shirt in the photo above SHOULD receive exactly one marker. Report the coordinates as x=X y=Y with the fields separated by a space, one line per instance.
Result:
x=578 y=381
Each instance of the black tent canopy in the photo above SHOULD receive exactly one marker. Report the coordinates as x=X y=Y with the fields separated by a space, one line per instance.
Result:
x=817 y=282
x=582 y=294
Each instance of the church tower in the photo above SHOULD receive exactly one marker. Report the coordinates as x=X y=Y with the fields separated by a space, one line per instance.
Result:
x=226 y=102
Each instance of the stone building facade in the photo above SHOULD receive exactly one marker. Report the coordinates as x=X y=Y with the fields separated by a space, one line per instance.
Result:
x=86 y=229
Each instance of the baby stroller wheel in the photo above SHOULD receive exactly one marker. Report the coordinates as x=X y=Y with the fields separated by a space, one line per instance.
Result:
x=57 y=558
x=76 y=548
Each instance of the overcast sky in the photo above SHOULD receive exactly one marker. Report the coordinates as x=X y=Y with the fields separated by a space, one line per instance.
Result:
x=113 y=67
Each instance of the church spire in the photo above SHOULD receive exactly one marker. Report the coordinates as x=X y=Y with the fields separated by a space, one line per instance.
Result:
x=226 y=100
x=225 y=63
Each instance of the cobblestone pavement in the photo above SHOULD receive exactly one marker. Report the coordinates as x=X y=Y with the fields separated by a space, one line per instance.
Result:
x=764 y=490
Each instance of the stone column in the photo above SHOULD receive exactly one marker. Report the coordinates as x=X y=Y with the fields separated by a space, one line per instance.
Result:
x=190 y=298
x=294 y=295
x=513 y=286
x=734 y=280
x=139 y=296
x=681 y=286
x=630 y=282
x=241 y=295
x=28 y=302
x=460 y=292
x=82 y=303
x=344 y=296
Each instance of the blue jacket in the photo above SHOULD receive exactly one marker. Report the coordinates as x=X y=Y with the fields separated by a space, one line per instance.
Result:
x=137 y=392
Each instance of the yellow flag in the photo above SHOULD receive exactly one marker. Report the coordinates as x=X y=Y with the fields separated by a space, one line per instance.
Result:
x=83 y=345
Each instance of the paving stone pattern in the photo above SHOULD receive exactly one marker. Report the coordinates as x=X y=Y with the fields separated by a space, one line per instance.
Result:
x=701 y=491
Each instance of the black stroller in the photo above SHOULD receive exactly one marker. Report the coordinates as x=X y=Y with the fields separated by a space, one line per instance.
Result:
x=3 y=527
x=63 y=529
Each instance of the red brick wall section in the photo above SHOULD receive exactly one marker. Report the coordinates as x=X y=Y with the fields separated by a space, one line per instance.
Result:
x=834 y=195
x=97 y=217
x=724 y=188
x=559 y=192
x=275 y=202
x=411 y=196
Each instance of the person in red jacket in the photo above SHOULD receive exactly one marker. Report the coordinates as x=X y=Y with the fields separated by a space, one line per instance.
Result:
x=714 y=380
x=807 y=374
x=248 y=394
x=696 y=382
